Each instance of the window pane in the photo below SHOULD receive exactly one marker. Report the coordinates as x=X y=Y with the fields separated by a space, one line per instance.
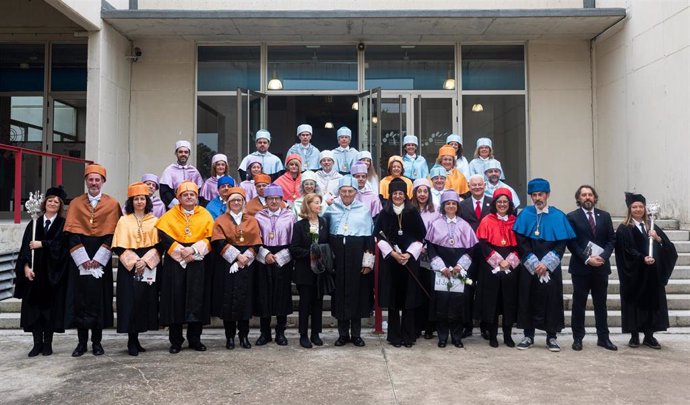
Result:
x=408 y=67
x=435 y=126
x=225 y=68
x=493 y=67
x=313 y=67
x=69 y=67
x=21 y=67
x=217 y=132
x=502 y=120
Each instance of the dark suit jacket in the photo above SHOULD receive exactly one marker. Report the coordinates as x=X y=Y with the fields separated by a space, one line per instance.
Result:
x=604 y=237
x=467 y=211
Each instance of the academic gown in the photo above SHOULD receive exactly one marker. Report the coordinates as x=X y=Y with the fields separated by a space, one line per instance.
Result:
x=445 y=304
x=255 y=205
x=398 y=288
x=89 y=302
x=350 y=236
x=290 y=186
x=172 y=176
x=44 y=297
x=184 y=292
x=273 y=283
x=233 y=293
x=642 y=286
x=496 y=294
x=137 y=301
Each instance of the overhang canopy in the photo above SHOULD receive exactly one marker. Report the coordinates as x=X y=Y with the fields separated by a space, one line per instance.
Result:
x=380 y=26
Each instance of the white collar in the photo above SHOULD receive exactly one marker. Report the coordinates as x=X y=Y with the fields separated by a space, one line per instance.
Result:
x=501 y=217
x=51 y=219
x=188 y=212
x=343 y=149
x=413 y=157
x=96 y=198
x=262 y=200
x=477 y=201
x=398 y=209
x=543 y=211
x=453 y=220
x=237 y=217
x=179 y=166
x=275 y=213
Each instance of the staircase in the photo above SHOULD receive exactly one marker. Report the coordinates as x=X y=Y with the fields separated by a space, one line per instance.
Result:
x=677 y=290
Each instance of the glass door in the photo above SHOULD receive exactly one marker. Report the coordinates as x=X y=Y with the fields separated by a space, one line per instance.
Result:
x=433 y=122
x=369 y=106
x=251 y=117
x=393 y=127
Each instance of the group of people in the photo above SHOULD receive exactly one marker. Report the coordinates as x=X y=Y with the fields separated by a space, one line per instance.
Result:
x=449 y=252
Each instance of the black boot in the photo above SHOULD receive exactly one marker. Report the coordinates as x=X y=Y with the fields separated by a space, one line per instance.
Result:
x=507 y=337
x=132 y=345
x=38 y=343
x=81 y=346
x=139 y=347
x=47 y=343
x=315 y=339
x=304 y=341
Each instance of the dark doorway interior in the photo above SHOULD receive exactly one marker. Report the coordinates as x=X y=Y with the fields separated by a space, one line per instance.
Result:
x=285 y=113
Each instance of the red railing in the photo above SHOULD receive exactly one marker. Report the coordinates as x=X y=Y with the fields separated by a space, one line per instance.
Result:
x=18 y=155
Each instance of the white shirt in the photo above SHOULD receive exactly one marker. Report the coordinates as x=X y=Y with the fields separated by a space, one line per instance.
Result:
x=94 y=200
x=237 y=217
x=594 y=217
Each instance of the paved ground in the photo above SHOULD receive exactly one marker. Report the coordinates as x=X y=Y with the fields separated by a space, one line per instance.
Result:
x=377 y=373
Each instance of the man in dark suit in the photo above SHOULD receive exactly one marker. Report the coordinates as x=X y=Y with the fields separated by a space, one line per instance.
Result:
x=472 y=210
x=590 y=267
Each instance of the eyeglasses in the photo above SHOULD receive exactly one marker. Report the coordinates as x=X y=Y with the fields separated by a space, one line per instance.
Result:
x=235 y=201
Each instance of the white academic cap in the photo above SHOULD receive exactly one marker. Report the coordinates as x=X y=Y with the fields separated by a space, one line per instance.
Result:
x=304 y=128
x=347 y=181
x=308 y=175
x=262 y=133
x=410 y=139
x=218 y=157
x=183 y=144
x=492 y=164
x=454 y=138
x=326 y=154
x=344 y=131
x=484 y=142
x=364 y=154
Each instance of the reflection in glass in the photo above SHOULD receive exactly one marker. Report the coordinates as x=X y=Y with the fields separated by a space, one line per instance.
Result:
x=313 y=67
x=225 y=68
x=22 y=67
x=393 y=128
x=493 y=67
x=68 y=69
x=408 y=67
x=436 y=116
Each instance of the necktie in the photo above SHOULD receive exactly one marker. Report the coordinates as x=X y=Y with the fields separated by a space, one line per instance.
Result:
x=643 y=229
x=46 y=226
x=592 y=225
x=478 y=210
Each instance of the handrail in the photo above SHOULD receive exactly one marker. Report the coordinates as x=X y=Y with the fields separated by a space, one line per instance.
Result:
x=18 y=154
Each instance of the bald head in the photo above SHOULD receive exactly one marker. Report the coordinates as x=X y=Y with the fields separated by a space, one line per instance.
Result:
x=477 y=186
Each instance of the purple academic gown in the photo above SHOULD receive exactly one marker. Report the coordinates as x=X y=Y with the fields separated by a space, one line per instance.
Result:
x=249 y=189
x=175 y=174
x=273 y=283
x=369 y=199
x=209 y=190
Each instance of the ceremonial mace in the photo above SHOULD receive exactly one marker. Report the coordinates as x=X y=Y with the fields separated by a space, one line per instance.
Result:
x=652 y=211
x=383 y=235
x=33 y=208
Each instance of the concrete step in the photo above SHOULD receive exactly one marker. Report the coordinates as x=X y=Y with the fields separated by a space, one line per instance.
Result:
x=678 y=235
x=665 y=224
x=679 y=273
x=674 y=286
x=613 y=302
x=683 y=259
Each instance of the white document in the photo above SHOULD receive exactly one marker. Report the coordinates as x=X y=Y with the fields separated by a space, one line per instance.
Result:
x=592 y=249
x=149 y=275
x=441 y=283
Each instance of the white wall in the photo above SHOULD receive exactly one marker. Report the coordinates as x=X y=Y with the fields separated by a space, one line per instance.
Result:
x=163 y=104
x=108 y=106
x=642 y=77
x=560 y=117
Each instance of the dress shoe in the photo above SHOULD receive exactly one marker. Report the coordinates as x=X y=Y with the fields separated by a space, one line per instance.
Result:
x=199 y=347
x=634 y=341
x=607 y=344
x=281 y=340
x=36 y=350
x=493 y=342
x=174 y=349
x=650 y=341
x=97 y=349
x=132 y=349
x=304 y=342
x=262 y=340
x=396 y=344
x=467 y=332
x=244 y=343
x=458 y=344
x=47 y=349
x=485 y=334
x=358 y=341
x=508 y=341
x=342 y=340
x=230 y=343
x=79 y=350
x=577 y=345
x=428 y=335
x=408 y=344
x=442 y=343
x=139 y=347
x=315 y=339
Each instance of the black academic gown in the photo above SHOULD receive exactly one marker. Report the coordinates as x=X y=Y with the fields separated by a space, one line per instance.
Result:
x=137 y=302
x=89 y=299
x=184 y=293
x=496 y=294
x=540 y=305
x=43 y=299
x=398 y=288
x=446 y=305
x=273 y=287
x=233 y=293
x=643 y=287
x=353 y=296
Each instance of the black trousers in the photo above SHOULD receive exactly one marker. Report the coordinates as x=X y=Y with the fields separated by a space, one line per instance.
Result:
x=350 y=327
x=310 y=305
x=405 y=331
x=597 y=284
x=96 y=335
x=266 y=324
x=232 y=326
x=445 y=327
x=194 y=330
